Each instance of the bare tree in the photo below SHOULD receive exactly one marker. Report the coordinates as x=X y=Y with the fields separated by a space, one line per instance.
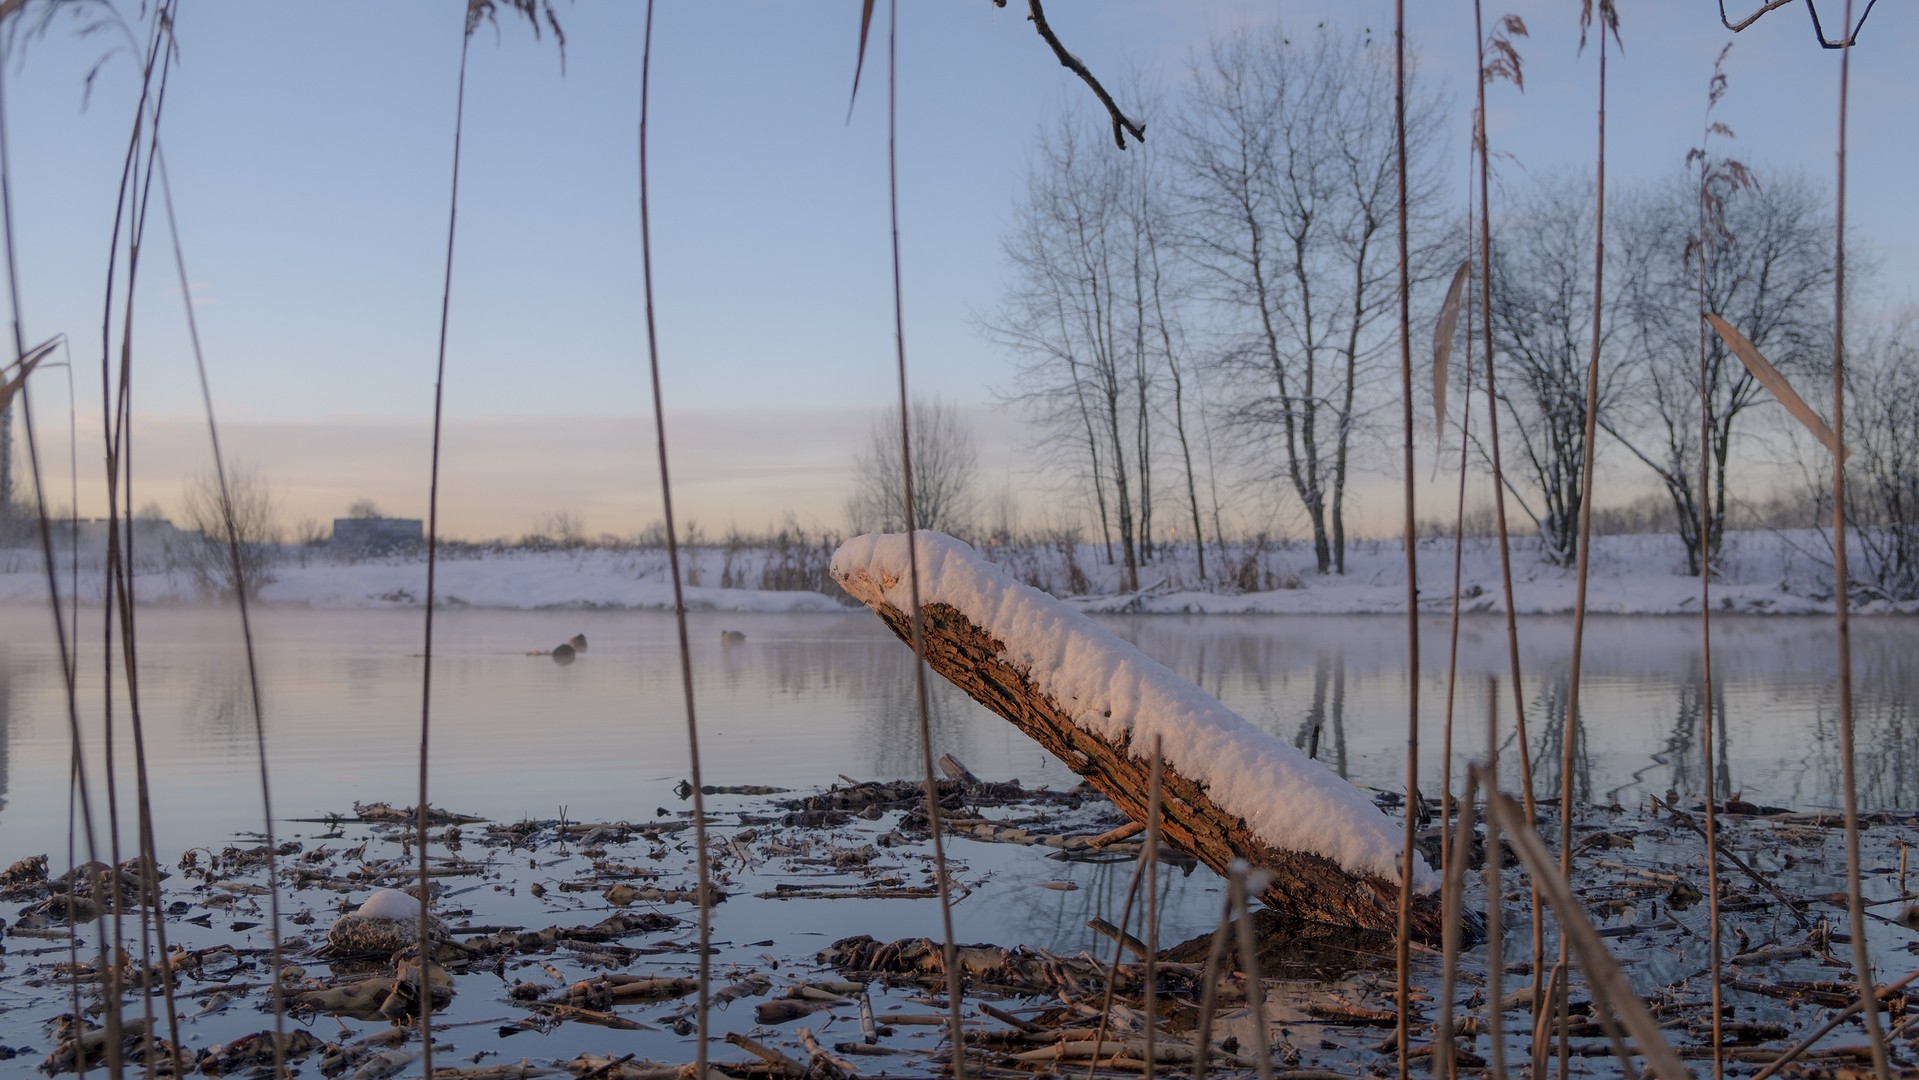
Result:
x=1290 y=189
x=1542 y=314
x=13 y=379
x=1882 y=431
x=1167 y=297
x=945 y=473
x=1768 y=271
x=236 y=538
x=363 y=509
x=1081 y=315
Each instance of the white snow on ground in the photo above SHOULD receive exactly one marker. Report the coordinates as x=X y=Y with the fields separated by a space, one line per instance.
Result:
x=504 y=579
x=1631 y=575
x=1110 y=688
x=1761 y=572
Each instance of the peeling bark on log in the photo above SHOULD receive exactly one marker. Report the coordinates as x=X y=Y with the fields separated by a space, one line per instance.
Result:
x=1305 y=885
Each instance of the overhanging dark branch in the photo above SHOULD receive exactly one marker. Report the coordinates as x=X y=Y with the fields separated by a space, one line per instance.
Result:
x=1819 y=32
x=1121 y=124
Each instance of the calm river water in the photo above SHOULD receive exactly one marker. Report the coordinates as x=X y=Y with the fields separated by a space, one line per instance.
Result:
x=806 y=699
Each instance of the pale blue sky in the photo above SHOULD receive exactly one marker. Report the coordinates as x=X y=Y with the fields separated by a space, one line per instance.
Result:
x=311 y=148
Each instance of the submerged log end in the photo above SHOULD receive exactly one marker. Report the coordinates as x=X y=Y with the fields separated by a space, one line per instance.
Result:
x=1305 y=885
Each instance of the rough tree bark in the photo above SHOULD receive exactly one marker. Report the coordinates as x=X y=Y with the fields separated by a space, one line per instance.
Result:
x=1304 y=885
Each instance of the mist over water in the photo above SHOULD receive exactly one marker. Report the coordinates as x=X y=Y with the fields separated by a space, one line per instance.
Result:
x=806 y=699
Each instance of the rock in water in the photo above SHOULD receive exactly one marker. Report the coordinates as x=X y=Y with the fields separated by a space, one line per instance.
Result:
x=731 y=637
x=578 y=642
x=563 y=653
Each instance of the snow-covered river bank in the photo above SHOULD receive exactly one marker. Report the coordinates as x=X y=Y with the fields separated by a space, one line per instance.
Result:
x=1759 y=572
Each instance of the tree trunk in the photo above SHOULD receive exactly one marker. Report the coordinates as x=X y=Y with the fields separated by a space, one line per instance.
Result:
x=1305 y=885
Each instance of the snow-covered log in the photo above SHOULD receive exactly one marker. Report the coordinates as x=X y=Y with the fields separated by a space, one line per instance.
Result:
x=1096 y=702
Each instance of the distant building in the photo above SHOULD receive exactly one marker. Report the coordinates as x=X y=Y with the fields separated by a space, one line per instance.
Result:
x=373 y=535
x=92 y=533
x=84 y=540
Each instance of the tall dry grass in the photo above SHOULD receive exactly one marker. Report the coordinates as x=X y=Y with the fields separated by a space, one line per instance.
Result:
x=1410 y=854
x=1855 y=895
x=705 y=1000
x=956 y=1033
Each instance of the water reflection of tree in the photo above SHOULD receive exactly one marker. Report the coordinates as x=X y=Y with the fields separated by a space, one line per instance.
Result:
x=1679 y=753
x=1316 y=736
x=1549 y=713
x=1885 y=735
x=1059 y=919
x=892 y=728
x=1886 y=774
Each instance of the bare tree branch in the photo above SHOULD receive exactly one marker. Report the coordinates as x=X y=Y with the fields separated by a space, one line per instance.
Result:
x=1750 y=19
x=1818 y=31
x=1850 y=39
x=1121 y=124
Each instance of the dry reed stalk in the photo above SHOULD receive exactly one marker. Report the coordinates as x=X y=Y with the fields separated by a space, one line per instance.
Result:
x=1119 y=951
x=1411 y=542
x=425 y=940
x=116 y=416
x=80 y=789
x=1443 y=330
x=119 y=479
x=1155 y=786
x=1703 y=243
x=120 y=573
x=1569 y=735
x=1455 y=889
x=1239 y=887
x=1780 y=387
x=704 y=1003
x=1604 y=979
x=1209 y=995
x=1449 y=907
x=1541 y=1049
x=1855 y=897
x=955 y=1032
x=1506 y=65
x=117 y=436
x=1495 y=915
x=114 y=433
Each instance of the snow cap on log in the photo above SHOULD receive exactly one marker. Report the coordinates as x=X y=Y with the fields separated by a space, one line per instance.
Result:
x=1110 y=688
